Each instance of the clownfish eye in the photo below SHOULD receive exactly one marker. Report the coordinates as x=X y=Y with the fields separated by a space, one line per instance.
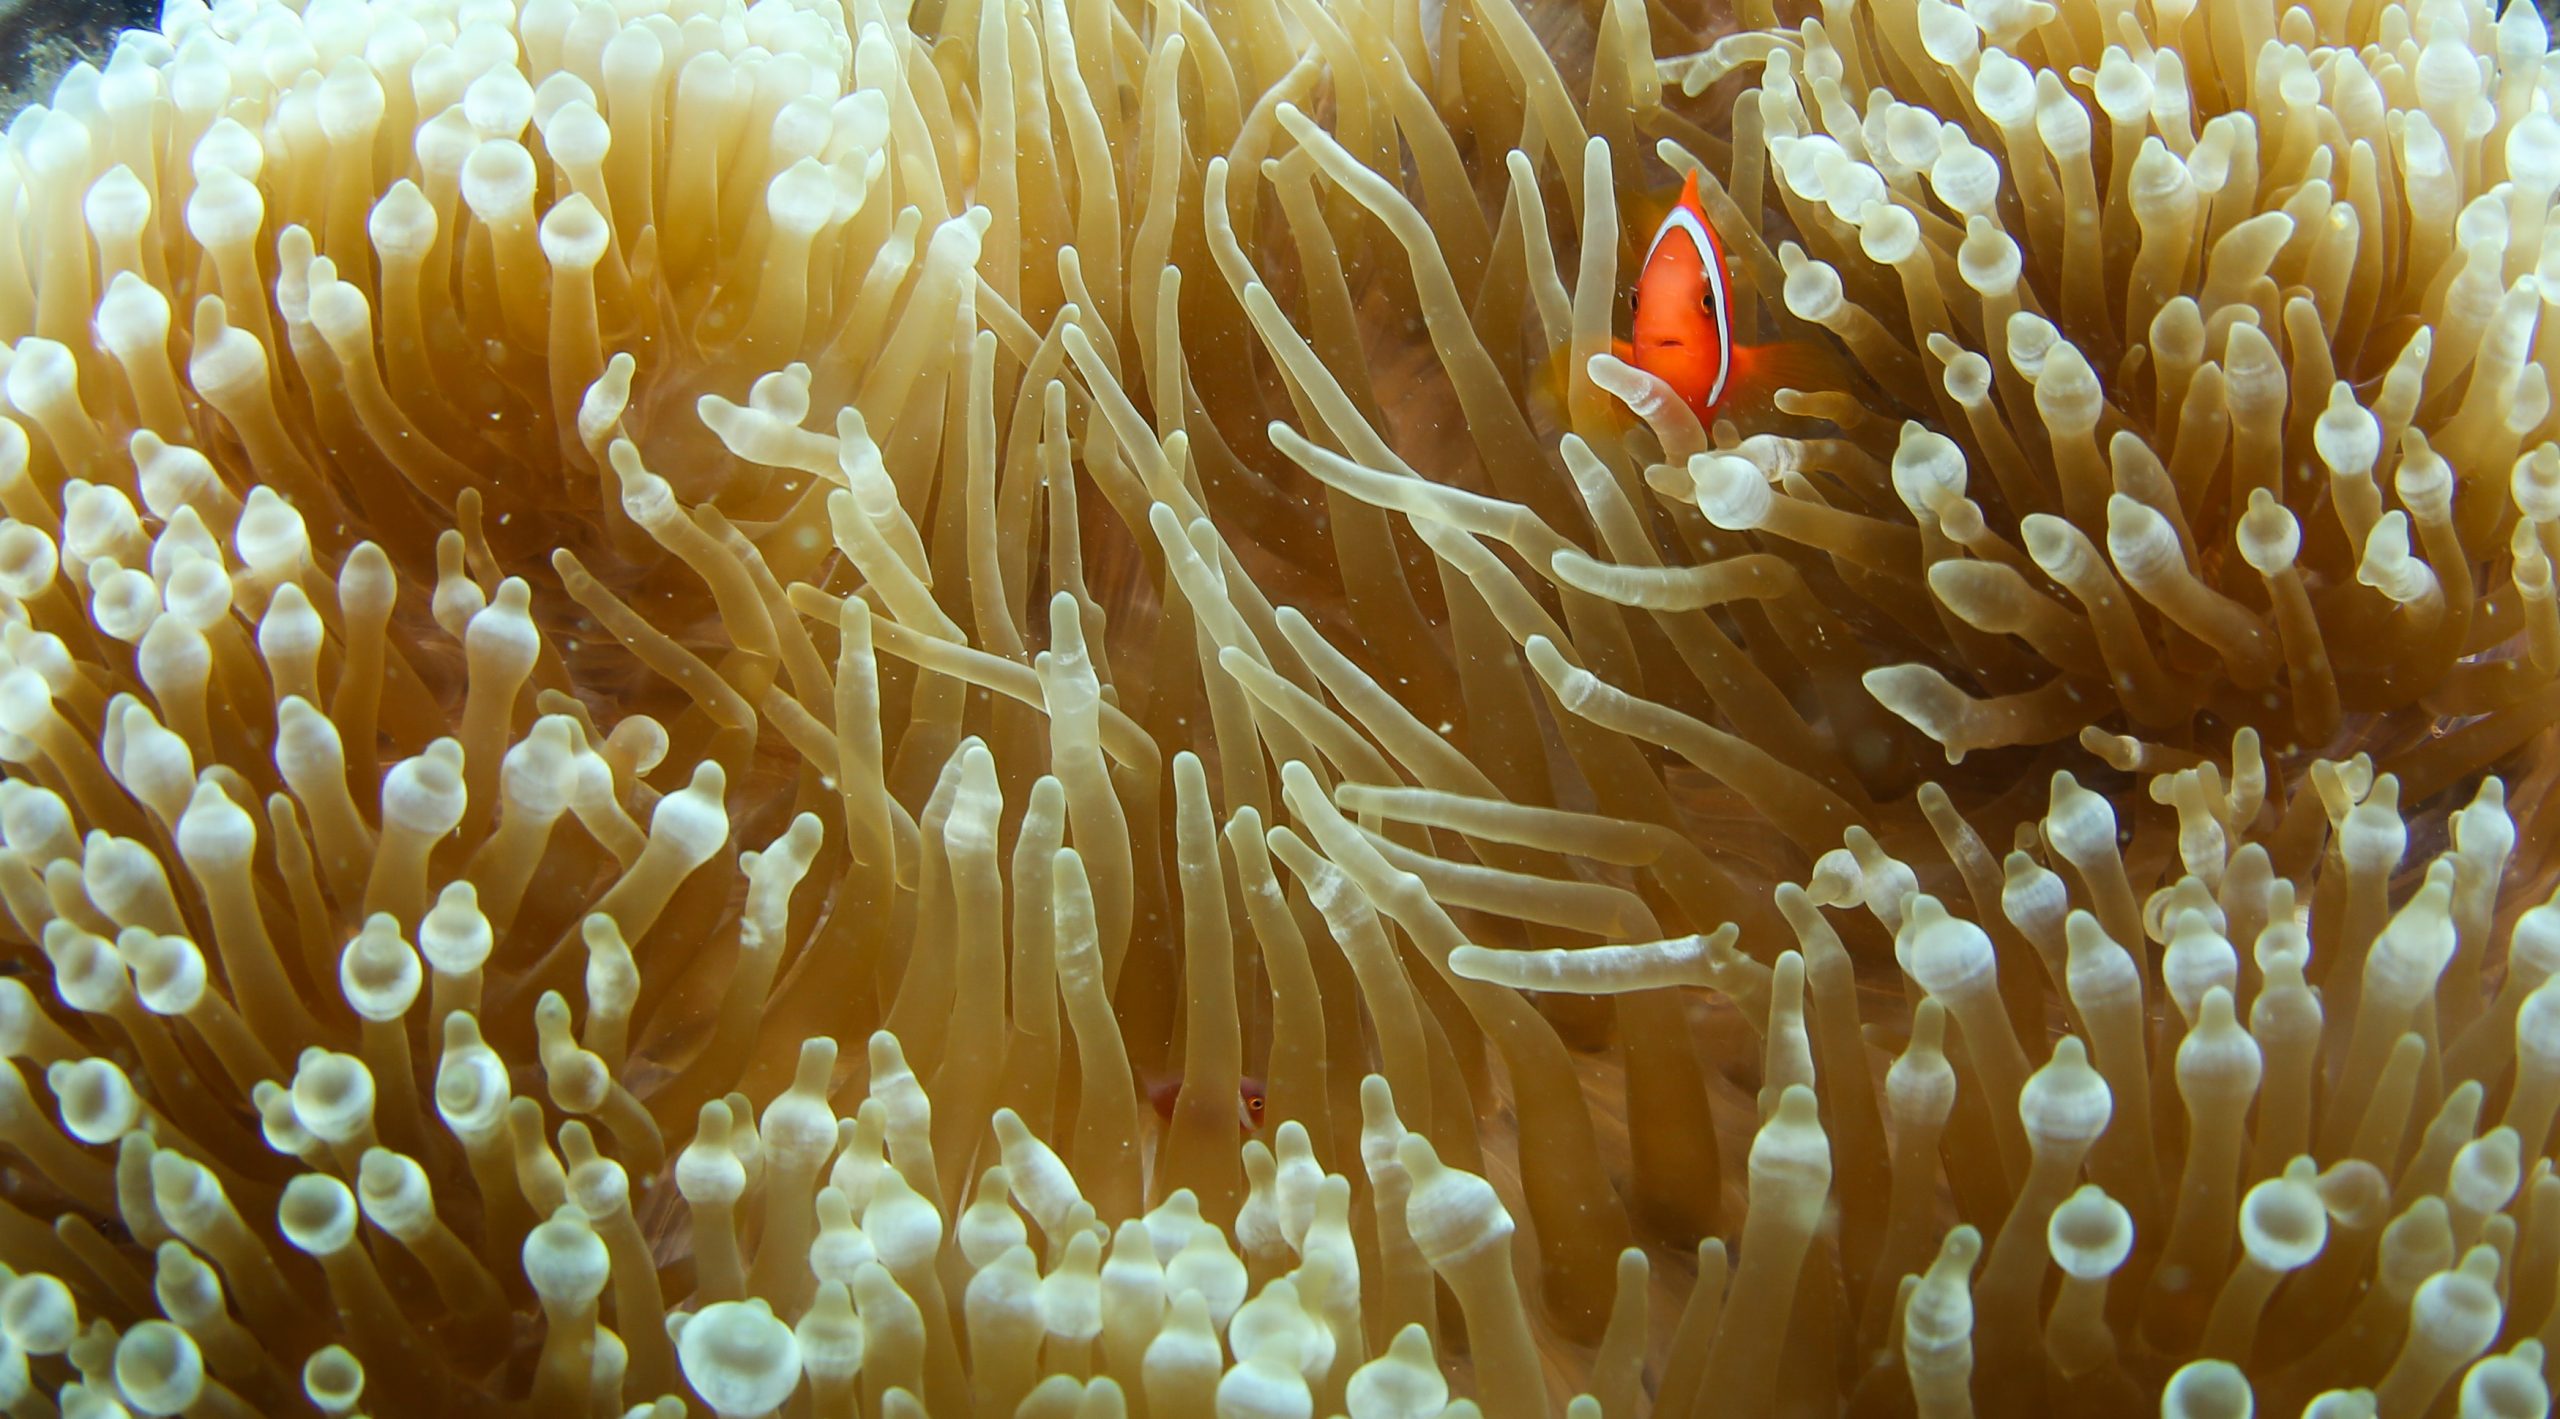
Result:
x=1255 y=1104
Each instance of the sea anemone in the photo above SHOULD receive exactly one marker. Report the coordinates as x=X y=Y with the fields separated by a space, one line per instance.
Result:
x=662 y=661
x=2137 y=294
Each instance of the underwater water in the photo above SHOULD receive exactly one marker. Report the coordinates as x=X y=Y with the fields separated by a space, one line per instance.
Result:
x=41 y=38
x=1409 y=709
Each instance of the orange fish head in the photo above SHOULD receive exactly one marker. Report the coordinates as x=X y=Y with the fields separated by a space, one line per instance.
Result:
x=1682 y=310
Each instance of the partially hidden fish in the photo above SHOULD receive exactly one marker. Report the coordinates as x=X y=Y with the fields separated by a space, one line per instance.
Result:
x=1249 y=1102
x=1683 y=326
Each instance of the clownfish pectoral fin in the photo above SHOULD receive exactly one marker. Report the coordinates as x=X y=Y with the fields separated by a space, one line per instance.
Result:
x=1760 y=371
x=1548 y=384
x=1551 y=388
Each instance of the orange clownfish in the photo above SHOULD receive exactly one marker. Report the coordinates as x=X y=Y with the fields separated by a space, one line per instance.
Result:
x=1684 y=323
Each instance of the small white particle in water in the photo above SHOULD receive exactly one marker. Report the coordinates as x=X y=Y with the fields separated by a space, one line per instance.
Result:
x=1447 y=726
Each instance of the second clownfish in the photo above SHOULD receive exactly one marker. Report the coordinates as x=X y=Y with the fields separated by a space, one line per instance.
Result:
x=1683 y=325
x=1250 y=1102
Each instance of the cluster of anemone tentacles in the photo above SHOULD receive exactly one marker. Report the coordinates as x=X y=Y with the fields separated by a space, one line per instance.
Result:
x=660 y=661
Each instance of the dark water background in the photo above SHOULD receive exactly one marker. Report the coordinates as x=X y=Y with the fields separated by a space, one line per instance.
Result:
x=41 y=38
